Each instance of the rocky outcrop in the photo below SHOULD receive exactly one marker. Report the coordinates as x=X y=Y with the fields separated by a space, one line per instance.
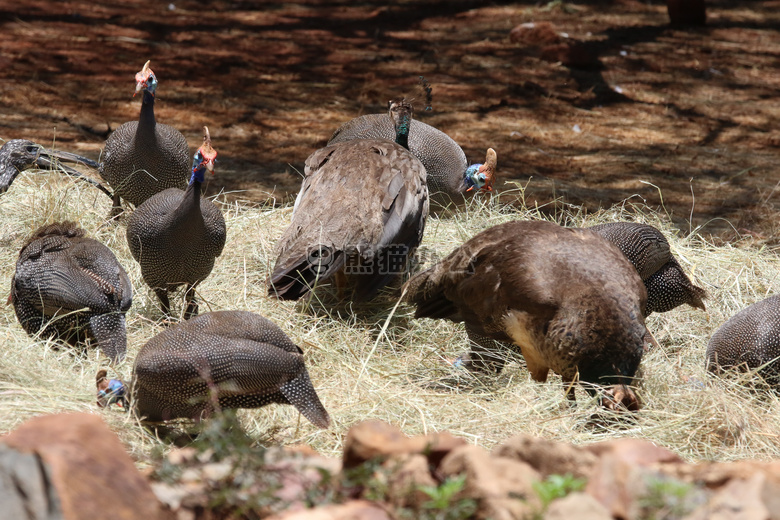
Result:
x=71 y=466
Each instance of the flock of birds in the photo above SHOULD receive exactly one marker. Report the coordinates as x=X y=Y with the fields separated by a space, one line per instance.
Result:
x=571 y=300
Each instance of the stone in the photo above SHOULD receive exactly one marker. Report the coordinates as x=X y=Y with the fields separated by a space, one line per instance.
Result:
x=739 y=499
x=89 y=470
x=406 y=474
x=577 y=505
x=534 y=33
x=624 y=468
x=376 y=439
x=548 y=457
x=502 y=487
x=353 y=510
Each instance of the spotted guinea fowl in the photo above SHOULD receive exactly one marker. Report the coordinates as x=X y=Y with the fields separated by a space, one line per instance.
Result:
x=142 y=158
x=176 y=235
x=568 y=298
x=73 y=287
x=450 y=177
x=647 y=248
x=18 y=155
x=749 y=340
x=359 y=215
x=235 y=359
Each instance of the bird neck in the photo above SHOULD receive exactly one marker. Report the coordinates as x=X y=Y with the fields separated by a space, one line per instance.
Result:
x=146 y=119
x=402 y=125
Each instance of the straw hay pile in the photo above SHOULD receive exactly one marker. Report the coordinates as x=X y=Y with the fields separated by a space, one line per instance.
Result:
x=381 y=363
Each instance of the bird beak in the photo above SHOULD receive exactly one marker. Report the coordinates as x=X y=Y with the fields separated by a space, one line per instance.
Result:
x=489 y=169
x=210 y=167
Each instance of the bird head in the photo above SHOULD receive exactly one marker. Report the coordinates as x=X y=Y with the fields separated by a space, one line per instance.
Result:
x=145 y=80
x=619 y=398
x=482 y=176
x=401 y=111
x=18 y=155
x=110 y=391
x=204 y=158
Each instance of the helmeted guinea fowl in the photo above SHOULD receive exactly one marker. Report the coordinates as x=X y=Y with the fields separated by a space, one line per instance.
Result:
x=142 y=158
x=18 y=155
x=73 y=287
x=360 y=214
x=568 y=298
x=176 y=235
x=647 y=248
x=450 y=177
x=237 y=359
x=749 y=340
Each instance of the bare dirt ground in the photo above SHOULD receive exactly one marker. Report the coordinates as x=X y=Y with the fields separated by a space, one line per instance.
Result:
x=679 y=118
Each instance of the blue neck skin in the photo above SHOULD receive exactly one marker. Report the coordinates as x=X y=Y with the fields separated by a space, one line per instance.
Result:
x=402 y=132
x=474 y=179
x=198 y=169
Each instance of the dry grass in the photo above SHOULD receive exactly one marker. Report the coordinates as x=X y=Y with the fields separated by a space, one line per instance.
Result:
x=377 y=362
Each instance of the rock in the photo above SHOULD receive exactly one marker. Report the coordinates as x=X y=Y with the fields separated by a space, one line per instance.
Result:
x=91 y=474
x=502 y=487
x=625 y=466
x=376 y=439
x=354 y=510
x=739 y=499
x=548 y=457
x=535 y=33
x=577 y=505
x=406 y=474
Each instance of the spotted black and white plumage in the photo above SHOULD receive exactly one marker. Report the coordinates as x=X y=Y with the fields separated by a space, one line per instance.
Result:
x=449 y=178
x=360 y=213
x=18 y=155
x=73 y=287
x=142 y=158
x=646 y=247
x=176 y=235
x=234 y=358
x=749 y=340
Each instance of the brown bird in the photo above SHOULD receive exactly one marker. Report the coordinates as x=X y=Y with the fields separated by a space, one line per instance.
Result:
x=229 y=359
x=568 y=298
x=359 y=216
x=749 y=340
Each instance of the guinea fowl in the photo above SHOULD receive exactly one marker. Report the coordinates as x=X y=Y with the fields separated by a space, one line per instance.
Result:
x=144 y=157
x=646 y=247
x=749 y=340
x=568 y=298
x=235 y=359
x=176 y=235
x=73 y=287
x=450 y=177
x=360 y=214
x=18 y=155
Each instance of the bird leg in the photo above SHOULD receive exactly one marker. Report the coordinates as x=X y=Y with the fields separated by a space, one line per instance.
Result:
x=192 y=303
x=116 y=209
x=165 y=304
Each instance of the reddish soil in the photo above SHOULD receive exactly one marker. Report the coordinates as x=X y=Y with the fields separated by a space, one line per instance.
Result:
x=623 y=107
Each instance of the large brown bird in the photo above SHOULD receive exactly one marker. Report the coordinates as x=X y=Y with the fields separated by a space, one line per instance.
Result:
x=568 y=298
x=360 y=214
x=229 y=359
